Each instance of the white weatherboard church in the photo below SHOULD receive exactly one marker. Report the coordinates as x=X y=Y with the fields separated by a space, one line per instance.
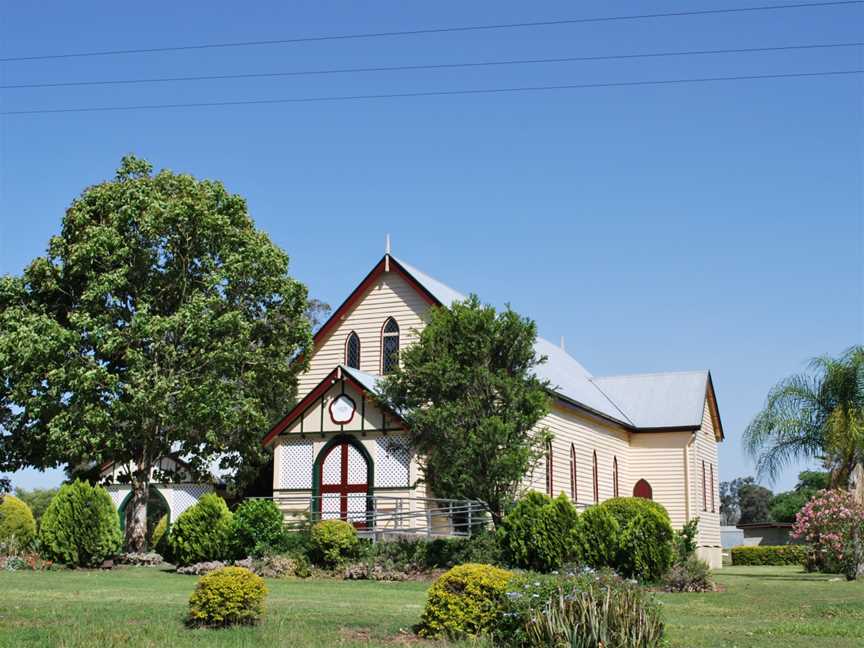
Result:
x=339 y=454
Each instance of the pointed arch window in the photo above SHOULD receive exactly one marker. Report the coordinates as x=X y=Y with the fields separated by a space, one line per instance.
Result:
x=352 y=351
x=713 y=506
x=595 y=479
x=389 y=346
x=574 y=487
x=549 y=470
x=704 y=491
x=615 y=476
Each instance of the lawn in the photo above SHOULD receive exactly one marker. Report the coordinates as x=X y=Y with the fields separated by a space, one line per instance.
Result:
x=145 y=607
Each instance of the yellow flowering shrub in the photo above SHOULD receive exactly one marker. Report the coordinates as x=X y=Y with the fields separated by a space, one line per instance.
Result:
x=228 y=596
x=465 y=601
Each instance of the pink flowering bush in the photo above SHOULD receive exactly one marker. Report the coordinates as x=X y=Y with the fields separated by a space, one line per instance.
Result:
x=832 y=523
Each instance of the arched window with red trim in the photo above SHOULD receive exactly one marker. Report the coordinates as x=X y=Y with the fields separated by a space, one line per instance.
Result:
x=595 y=477
x=704 y=490
x=574 y=487
x=713 y=505
x=389 y=346
x=615 y=476
x=352 y=351
x=550 y=486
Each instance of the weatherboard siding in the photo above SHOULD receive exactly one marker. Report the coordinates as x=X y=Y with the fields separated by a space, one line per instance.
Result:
x=659 y=459
x=390 y=296
x=705 y=450
x=570 y=426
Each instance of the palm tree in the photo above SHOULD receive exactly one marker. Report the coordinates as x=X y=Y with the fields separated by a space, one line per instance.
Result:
x=816 y=415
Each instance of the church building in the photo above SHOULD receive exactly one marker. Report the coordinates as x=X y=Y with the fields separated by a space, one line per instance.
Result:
x=337 y=453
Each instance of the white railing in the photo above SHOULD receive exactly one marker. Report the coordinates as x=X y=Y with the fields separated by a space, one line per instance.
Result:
x=381 y=515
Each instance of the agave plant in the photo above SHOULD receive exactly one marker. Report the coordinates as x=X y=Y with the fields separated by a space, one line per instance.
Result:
x=815 y=415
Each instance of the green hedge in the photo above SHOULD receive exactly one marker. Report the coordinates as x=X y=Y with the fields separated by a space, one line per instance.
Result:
x=17 y=524
x=538 y=532
x=770 y=555
x=202 y=532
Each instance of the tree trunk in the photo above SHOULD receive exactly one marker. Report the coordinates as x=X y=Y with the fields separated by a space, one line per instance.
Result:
x=856 y=483
x=136 y=513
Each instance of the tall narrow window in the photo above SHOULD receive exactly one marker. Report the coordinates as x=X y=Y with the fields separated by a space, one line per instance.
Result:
x=713 y=505
x=615 y=476
x=352 y=351
x=704 y=491
x=574 y=487
x=595 y=478
x=549 y=474
x=389 y=346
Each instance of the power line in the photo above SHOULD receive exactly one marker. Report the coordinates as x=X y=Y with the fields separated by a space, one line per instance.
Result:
x=436 y=93
x=437 y=30
x=435 y=66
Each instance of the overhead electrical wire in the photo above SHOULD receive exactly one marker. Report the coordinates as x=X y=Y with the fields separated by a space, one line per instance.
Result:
x=437 y=30
x=434 y=66
x=436 y=93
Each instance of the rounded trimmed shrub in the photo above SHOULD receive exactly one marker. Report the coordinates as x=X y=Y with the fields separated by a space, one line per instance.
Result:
x=538 y=532
x=80 y=527
x=17 y=524
x=159 y=539
x=227 y=596
x=333 y=542
x=465 y=601
x=202 y=532
x=597 y=538
x=256 y=528
x=646 y=545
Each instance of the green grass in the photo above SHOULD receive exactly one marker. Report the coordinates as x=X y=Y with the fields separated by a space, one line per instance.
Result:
x=769 y=606
x=760 y=606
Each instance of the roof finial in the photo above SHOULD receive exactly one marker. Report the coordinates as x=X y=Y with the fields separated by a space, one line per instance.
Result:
x=562 y=343
x=387 y=244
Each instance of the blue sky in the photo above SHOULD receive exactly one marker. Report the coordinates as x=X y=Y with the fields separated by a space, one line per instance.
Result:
x=714 y=225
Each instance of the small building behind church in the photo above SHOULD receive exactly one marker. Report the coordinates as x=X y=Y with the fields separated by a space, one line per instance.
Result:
x=337 y=453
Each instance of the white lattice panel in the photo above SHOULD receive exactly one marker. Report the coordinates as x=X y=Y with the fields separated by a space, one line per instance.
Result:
x=330 y=506
x=331 y=470
x=118 y=493
x=391 y=466
x=182 y=496
x=357 y=507
x=357 y=470
x=296 y=457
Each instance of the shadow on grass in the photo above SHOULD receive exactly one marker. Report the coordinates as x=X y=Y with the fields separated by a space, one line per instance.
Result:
x=795 y=576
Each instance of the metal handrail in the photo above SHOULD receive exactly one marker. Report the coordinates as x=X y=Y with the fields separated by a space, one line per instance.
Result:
x=387 y=514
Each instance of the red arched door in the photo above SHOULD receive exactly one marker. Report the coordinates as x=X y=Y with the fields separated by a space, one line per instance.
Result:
x=344 y=480
x=643 y=489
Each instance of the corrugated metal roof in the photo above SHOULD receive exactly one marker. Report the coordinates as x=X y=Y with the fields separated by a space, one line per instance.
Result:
x=369 y=382
x=443 y=293
x=637 y=400
x=655 y=400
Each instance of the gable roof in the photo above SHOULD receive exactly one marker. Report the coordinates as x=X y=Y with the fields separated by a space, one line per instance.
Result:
x=634 y=401
x=362 y=382
x=675 y=399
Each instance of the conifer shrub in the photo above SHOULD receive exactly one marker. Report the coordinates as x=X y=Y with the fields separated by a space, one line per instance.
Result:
x=202 y=532
x=17 y=524
x=257 y=528
x=227 y=596
x=159 y=539
x=465 y=601
x=597 y=538
x=689 y=575
x=80 y=527
x=333 y=542
x=646 y=541
x=538 y=533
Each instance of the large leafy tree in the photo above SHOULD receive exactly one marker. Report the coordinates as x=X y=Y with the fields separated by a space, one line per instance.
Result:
x=785 y=506
x=815 y=415
x=468 y=392
x=159 y=320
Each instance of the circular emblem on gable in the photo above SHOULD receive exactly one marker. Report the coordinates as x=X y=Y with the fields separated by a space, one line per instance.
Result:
x=342 y=409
